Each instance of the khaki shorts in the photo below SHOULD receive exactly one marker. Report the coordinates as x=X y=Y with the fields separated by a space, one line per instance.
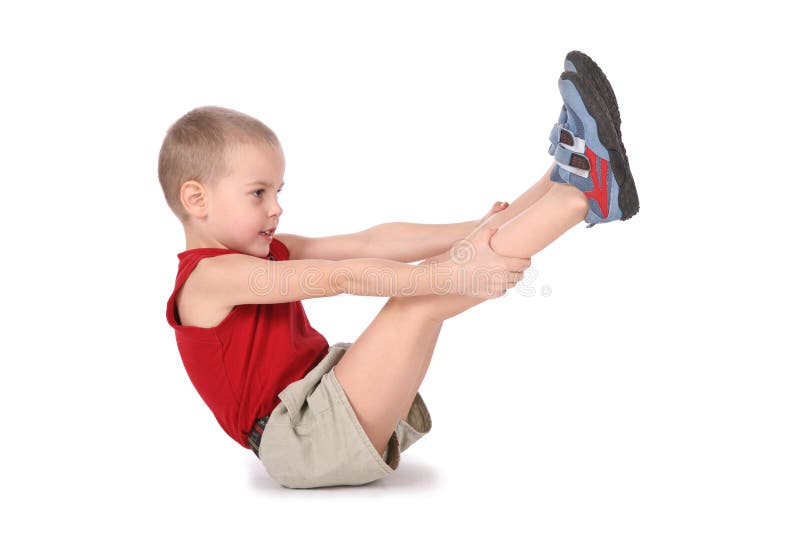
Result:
x=313 y=438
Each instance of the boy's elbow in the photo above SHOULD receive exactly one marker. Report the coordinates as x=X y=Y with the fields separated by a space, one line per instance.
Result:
x=367 y=277
x=341 y=278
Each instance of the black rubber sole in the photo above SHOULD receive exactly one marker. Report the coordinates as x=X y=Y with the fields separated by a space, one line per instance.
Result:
x=591 y=71
x=606 y=130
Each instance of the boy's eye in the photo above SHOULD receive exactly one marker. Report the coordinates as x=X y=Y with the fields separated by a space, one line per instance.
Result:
x=257 y=192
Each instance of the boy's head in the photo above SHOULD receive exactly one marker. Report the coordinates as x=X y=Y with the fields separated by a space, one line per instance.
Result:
x=221 y=172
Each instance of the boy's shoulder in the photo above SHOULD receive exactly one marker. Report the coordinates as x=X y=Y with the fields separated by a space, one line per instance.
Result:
x=194 y=306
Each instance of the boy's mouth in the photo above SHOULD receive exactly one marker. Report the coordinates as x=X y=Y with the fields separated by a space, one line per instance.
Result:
x=267 y=233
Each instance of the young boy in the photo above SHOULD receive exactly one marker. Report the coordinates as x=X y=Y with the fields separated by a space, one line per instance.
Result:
x=236 y=309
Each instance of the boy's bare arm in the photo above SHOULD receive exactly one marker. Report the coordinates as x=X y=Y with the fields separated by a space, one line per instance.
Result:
x=396 y=241
x=233 y=279
x=407 y=242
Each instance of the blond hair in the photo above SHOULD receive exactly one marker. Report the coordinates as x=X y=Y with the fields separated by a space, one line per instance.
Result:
x=197 y=147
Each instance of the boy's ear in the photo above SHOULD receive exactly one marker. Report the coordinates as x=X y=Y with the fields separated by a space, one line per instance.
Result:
x=193 y=198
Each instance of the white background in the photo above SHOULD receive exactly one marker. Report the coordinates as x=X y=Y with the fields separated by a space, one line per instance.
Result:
x=656 y=390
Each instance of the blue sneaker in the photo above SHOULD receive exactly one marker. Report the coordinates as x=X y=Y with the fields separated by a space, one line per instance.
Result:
x=587 y=150
x=587 y=69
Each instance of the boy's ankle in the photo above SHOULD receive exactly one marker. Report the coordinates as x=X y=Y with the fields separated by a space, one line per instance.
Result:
x=572 y=196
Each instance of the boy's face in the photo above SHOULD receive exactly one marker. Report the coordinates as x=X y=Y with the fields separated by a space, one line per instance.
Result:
x=244 y=203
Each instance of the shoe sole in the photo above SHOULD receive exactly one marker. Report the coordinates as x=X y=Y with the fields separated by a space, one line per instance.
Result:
x=585 y=66
x=628 y=199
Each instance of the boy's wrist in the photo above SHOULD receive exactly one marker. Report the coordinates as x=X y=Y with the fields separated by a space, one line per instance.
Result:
x=386 y=278
x=433 y=278
x=443 y=275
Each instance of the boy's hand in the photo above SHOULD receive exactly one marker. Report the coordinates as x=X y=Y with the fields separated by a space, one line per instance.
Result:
x=473 y=268
x=497 y=207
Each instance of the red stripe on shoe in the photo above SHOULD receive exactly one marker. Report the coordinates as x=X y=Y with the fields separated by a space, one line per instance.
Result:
x=600 y=191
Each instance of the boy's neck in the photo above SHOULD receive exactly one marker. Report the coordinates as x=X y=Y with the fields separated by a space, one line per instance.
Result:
x=195 y=241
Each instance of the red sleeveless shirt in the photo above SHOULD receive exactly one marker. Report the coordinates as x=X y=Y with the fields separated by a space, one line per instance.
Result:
x=239 y=366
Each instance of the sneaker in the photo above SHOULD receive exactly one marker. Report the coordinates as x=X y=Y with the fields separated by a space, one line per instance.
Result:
x=579 y=62
x=585 y=66
x=588 y=153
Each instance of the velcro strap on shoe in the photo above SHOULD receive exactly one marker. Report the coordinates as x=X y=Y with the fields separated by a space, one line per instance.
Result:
x=568 y=150
x=561 y=135
x=571 y=159
x=573 y=163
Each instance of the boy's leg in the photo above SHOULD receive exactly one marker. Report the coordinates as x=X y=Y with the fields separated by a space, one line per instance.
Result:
x=523 y=201
x=561 y=208
x=528 y=198
x=380 y=371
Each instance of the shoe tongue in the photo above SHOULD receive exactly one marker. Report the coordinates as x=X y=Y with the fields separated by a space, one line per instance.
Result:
x=573 y=123
x=555 y=175
x=562 y=119
x=562 y=116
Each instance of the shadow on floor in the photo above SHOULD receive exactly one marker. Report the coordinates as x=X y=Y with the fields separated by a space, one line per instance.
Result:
x=410 y=474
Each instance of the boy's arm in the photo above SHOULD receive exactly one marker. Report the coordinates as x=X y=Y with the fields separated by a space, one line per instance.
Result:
x=397 y=241
x=408 y=242
x=233 y=279
x=401 y=241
